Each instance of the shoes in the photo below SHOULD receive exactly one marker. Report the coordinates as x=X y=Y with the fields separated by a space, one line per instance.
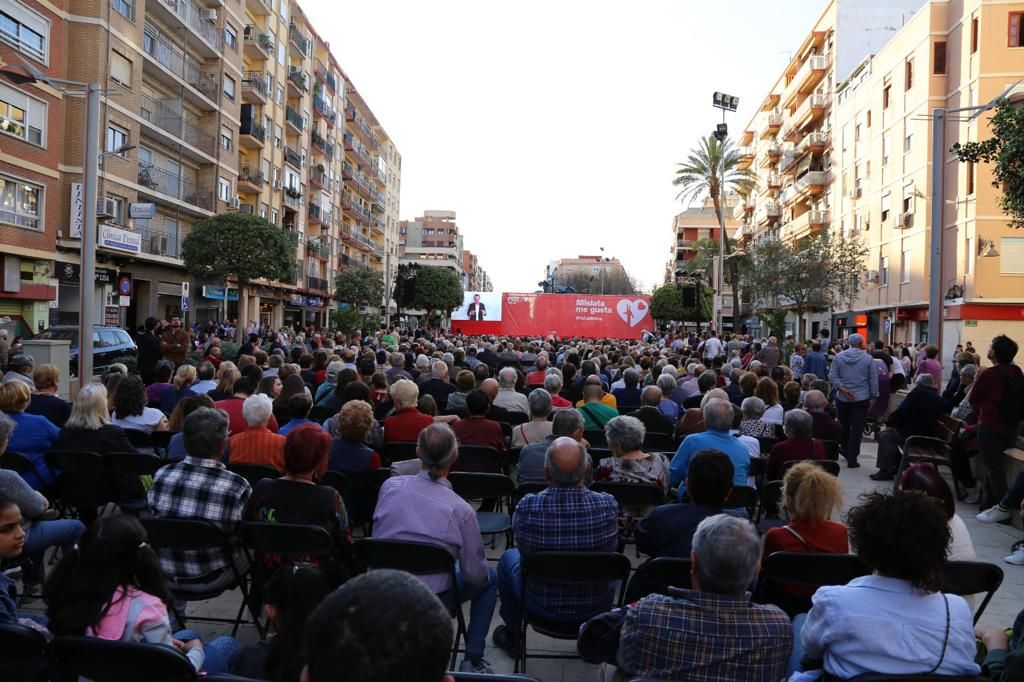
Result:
x=881 y=476
x=478 y=666
x=1017 y=558
x=505 y=640
x=853 y=465
x=973 y=494
x=995 y=515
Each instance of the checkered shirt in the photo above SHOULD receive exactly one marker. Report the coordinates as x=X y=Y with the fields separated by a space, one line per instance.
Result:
x=197 y=489
x=704 y=637
x=567 y=520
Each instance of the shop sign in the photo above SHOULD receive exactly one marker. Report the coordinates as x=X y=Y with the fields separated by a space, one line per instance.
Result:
x=315 y=302
x=139 y=211
x=217 y=293
x=71 y=273
x=297 y=300
x=120 y=240
x=77 y=210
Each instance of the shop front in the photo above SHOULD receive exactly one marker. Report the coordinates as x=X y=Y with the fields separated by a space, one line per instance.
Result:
x=210 y=303
x=26 y=294
x=69 y=294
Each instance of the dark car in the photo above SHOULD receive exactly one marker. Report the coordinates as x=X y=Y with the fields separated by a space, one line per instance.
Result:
x=108 y=343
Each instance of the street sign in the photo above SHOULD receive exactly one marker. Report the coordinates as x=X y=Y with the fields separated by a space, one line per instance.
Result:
x=887 y=325
x=184 y=297
x=146 y=211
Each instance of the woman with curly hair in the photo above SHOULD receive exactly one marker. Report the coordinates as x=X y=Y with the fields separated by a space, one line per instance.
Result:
x=349 y=453
x=895 y=621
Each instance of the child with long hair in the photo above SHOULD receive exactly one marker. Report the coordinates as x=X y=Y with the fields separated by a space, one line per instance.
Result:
x=111 y=586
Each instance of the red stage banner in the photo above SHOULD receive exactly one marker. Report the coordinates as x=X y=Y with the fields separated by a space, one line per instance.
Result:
x=587 y=315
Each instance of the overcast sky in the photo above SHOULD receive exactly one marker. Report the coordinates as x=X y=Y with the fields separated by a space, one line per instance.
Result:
x=553 y=128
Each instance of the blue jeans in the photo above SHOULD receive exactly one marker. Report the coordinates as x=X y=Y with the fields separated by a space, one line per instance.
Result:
x=482 y=599
x=851 y=416
x=798 y=644
x=45 y=534
x=218 y=653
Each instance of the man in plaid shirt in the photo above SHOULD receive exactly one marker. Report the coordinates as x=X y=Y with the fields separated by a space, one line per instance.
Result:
x=566 y=517
x=711 y=633
x=199 y=487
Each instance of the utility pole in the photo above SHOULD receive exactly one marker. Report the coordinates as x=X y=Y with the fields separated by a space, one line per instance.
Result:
x=725 y=103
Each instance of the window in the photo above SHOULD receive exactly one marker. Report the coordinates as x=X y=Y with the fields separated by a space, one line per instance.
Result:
x=885 y=207
x=231 y=36
x=25 y=31
x=885 y=96
x=857 y=133
x=229 y=87
x=974 y=35
x=21 y=203
x=867 y=118
x=1016 y=35
x=22 y=116
x=905 y=266
x=970 y=178
x=273 y=215
x=279 y=96
x=883 y=271
x=886 y=148
x=939 y=57
x=908 y=197
x=119 y=212
x=120 y=68
x=278 y=133
x=223 y=189
x=264 y=210
x=125 y=8
x=117 y=137
x=282 y=53
x=1011 y=255
x=908 y=74
x=968 y=255
x=226 y=138
x=908 y=136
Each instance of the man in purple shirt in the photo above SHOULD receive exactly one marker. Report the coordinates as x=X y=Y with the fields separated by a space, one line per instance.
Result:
x=424 y=508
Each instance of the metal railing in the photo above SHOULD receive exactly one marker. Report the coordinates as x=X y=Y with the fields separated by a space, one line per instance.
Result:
x=316 y=283
x=322 y=106
x=175 y=186
x=257 y=81
x=300 y=39
x=294 y=157
x=178 y=63
x=293 y=199
x=811 y=179
x=298 y=77
x=158 y=242
x=319 y=178
x=170 y=121
x=252 y=128
x=252 y=175
x=295 y=118
x=254 y=34
x=194 y=17
x=315 y=247
x=326 y=76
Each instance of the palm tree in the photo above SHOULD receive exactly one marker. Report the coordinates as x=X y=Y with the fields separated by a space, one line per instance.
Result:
x=711 y=170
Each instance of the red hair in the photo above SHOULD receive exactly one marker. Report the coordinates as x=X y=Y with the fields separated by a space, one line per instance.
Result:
x=926 y=478
x=306 y=449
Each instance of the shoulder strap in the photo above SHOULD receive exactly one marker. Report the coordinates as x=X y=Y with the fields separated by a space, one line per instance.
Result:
x=592 y=416
x=945 y=640
x=796 y=535
x=522 y=432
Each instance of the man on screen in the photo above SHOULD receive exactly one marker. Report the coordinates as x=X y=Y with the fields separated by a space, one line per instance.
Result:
x=476 y=311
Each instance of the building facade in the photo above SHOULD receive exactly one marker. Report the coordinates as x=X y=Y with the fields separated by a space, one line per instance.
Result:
x=233 y=106
x=432 y=239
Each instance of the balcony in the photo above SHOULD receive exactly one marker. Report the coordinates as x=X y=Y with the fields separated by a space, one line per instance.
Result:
x=295 y=120
x=257 y=44
x=295 y=158
x=352 y=145
x=771 y=156
x=259 y=8
x=741 y=209
x=318 y=249
x=354 y=208
x=159 y=242
x=251 y=180
x=774 y=181
x=318 y=178
x=251 y=134
x=293 y=198
x=185 y=13
x=325 y=76
x=377 y=224
x=298 y=82
x=815 y=143
x=767 y=213
x=811 y=110
x=160 y=185
x=772 y=128
x=352 y=262
x=316 y=283
x=300 y=43
x=746 y=157
x=256 y=87
x=170 y=127
x=812 y=182
x=323 y=108
x=360 y=126
x=807 y=224
x=314 y=214
x=179 y=67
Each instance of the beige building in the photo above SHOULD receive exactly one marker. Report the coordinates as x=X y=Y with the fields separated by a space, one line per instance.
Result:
x=949 y=55
x=432 y=239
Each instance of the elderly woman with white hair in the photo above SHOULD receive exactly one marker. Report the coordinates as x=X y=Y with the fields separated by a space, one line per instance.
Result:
x=798 y=445
x=667 y=406
x=629 y=463
x=539 y=427
x=753 y=423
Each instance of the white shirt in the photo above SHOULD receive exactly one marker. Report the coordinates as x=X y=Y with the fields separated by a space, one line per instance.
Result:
x=773 y=414
x=147 y=421
x=204 y=387
x=512 y=400
x=712 y=347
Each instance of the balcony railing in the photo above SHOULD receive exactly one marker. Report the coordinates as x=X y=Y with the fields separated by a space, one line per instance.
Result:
x=295 y=118
x=816 y=139
x=353 y=116
x=319 y=178
x=320 y=142
x=252 y=128
x=324 y=74
x=252 y=175
x=255 y=35
x=178 y=63
x=316 y=283
x=174 y=123
x=315 y=247
x=352 y=144
x=325 y=109
x=313 y=212
x=811 y=179
x=298 y=78
x=293 y=197
x=294 y=157
x=158 y=242
x=175 y=186
x=300 y=39
x=194 y=17
x=257 y=81
x=768 y=212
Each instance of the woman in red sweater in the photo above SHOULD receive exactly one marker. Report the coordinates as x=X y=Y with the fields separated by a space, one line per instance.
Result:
x=810 y=494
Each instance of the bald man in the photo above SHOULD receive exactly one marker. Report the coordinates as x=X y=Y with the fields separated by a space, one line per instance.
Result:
x=496 y=412
x=565 y=517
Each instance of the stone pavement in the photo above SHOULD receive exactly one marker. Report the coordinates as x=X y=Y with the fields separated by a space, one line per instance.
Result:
x=992 y=542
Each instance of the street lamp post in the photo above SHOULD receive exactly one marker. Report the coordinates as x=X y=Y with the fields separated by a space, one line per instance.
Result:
x=725 y=102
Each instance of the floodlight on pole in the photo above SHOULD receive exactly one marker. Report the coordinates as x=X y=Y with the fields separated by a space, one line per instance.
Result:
x=725 y=102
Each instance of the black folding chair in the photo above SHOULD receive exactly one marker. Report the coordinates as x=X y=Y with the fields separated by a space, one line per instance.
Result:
x=524 y=489
x=634 y=495
x=596 y=438
x=161 y=442
x=743 y=497
x=85 y=481
x=828 y=465
x=125 y=469
x=480 y=458
x=397 y=451
x=359 y=492
x=656 y=576
x=758 y=467
x=182 y=535
x=517 y=418
x=770 y=507
x=506 y=432
x=831 y=450
x=788 y=579
x=254 y=473
x=418 y=558
x=935 y=451
x=913 y=678
x=766 y=444
x=659 y=442
x=486 y=486
x=15 y=461
x=488 y=677
x=106 y=660
x=972 y=577
x=24 y=654
x=570 y=569
x=141 y=440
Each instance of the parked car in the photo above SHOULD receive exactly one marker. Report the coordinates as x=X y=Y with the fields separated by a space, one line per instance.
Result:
x=108 y=344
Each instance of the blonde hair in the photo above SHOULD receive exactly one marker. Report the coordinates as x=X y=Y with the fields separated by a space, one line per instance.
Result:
x=224 y=367
x=227 y=379
x=404 y=393
x=46 y=376
x=245 y=360
x=89 y=411
x=184 y=377
x=714 y=394
x=14 y=396
x=810 y=492
x=355 y=419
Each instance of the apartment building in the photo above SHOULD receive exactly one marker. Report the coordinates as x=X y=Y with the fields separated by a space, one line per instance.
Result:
x=432 y=239
x=789 y=142
x=949 y=55
x=230 y=106
x=474 y=277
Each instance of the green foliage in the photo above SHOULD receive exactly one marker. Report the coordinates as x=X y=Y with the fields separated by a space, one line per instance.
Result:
x=245 y=246
x=775 y=320
x=359 y=286
x=350 y=319
x=1005 y=152
x=438 y=289
x=702 y=173
x=129 y=361
x=667 y=305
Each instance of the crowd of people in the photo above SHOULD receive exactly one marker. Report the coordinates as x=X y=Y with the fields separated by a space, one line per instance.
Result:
x=561 y=415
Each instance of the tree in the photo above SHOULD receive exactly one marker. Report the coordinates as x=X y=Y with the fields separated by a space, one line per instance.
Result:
x=711 y=170
x=359 y=286
x=438 y=289
x=241 y=245
x=1005 y=151
x=667 y=304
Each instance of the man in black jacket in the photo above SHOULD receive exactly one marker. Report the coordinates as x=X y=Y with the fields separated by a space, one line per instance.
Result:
x=653 y=419
x=916 y=416
x=149 y=350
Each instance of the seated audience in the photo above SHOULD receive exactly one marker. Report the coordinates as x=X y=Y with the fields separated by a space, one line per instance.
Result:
x=595 y=412
x=650 y=413
x=668 y=530
x=824 y=426
x=538 y=428
x=810 y=495
x=477 y=429
x=227 y=375
x=566 y=423
x=282 y=403
x=162 y=374
x=464 y=383
x=176 y=422
x=257 y=444
x=232 y=406
x=926 y=478
x=180 y=388
x=438 y=386
x=798 y=444
x=718 y=418
x=667 y=406
x=913 y=626
x=45 y=401
x=553 y=385
x=205 y=381
x=88 y=428
x=130 y=410
x=349 y=453
x=12 y=544
x=917 y=415
x=768 y=391
x=790 y=396
x=508 y=397
x=1004 y=657
x=629 y=463
x=270 y=386
x=299 y=406
x=705 y=382
x=406 y=422
x=753 y=423
x=424 y=508
x=33 y=435
x=629 y=394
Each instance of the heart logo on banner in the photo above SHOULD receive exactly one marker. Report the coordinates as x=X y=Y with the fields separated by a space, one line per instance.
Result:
x=632 y=312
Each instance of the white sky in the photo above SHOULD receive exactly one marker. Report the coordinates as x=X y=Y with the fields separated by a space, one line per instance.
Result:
x=553 y=128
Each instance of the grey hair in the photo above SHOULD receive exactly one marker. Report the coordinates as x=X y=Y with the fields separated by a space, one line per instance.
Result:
x=752 y=407
x=436 y=447
x=815 y=400
x=798 y=424
x=89 y=411
x=540 y=403
x=925 y=379
x=334 y=369
x=552 y=382
x=718 y=415
x=969 y=370
x=671 y=370
x=397 y=359
x=120 y=368
x=706 y=381
x=257 y=409
x=667 y=383
x=6 y=428
x=626 y=432
x=727 y=551
x=566 y=423
x=422 y=362
x=563 y=478
x=439 y=369
x=205 y=430
x=631 y=376
x=507 y=377
x=651 y=395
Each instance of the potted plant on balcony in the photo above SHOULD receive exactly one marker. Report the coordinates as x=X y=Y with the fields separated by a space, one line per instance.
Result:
x=292 y=192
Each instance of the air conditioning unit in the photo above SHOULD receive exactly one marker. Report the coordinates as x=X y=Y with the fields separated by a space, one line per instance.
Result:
x=106 y=208
x=871 y=276
x=211 y=16
x=277 y=184
x=247 y=208
x=233 y=203
x=906 y=221
x=158 y=244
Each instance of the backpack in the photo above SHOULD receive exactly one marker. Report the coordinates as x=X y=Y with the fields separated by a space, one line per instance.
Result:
x=1011 y=407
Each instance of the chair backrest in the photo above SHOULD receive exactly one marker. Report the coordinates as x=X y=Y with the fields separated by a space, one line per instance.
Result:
x=596 y=438
x=116 y=661
x=86 y=481
x=743 y=496
x=659 y=442
x=481 y=486
x=524 y=489
x=488 y=677
x=577 y=568
x=254 y=473
x=831 y=450
x=286 y=539
x=657 y=575
x=418 y=558
x=766 y=444
x=506 y=432
x=919 y=678
x=825 y=464
x=631 y=494
x=973 y=577
x=479 y=458
x=16 y=461
x=771 y=499
x=139 y=438
x=184 y=534
x=397 y=451
x=516 y=418
x=788 y=579
x=24 y=652
x=161 y=441
x=133 y=463
x=359 y=492
x=758 y=467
